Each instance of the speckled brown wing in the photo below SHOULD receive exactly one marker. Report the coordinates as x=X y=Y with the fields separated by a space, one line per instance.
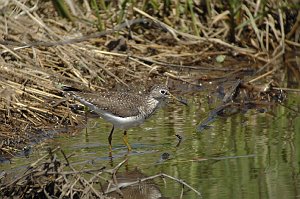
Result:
x=118 y=103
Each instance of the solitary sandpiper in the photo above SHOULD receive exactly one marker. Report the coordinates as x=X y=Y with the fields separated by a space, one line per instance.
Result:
x=123 y=109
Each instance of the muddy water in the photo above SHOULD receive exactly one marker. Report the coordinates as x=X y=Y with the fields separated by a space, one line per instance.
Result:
x=247 y=155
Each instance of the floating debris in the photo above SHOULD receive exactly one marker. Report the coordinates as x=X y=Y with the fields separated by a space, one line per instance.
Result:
x=50 y=177
x=241 y=97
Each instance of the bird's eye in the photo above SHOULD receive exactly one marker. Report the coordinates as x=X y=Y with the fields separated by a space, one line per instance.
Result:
x=164 y=92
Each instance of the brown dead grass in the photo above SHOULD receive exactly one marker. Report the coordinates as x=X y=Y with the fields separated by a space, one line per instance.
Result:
x=40 y=51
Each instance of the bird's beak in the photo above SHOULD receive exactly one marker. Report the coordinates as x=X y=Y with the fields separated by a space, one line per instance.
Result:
x=182 y=101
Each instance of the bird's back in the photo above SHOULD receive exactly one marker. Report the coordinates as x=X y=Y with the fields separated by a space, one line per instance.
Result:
x=120 y=104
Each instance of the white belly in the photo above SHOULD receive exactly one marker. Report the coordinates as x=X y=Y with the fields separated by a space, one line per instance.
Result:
x=123 y=123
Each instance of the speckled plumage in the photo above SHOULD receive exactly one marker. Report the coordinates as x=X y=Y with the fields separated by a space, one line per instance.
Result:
x=123 y=109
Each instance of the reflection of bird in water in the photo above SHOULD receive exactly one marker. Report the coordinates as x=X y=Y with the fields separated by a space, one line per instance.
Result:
x=143 y=190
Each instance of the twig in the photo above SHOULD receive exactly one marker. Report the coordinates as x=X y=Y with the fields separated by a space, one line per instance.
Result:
x=271 y=61
x=43 y=157
x=153 y=177
x=287 y=89
x=264 y=75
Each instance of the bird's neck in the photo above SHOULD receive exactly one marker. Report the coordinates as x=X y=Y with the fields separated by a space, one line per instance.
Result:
x=152 y=105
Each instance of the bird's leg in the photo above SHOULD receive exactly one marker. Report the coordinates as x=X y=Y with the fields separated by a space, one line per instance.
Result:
x=110 y=138
x=125 y=139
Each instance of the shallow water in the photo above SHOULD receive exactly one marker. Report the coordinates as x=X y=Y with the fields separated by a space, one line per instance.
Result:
x=248 y=155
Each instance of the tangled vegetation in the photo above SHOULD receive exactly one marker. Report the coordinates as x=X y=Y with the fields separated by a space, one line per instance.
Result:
x=96 y=45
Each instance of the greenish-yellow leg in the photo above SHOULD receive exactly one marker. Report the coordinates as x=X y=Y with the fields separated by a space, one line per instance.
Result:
x=125 y=139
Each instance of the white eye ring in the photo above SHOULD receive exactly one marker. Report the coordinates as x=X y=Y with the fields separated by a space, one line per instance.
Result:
x=164 y=92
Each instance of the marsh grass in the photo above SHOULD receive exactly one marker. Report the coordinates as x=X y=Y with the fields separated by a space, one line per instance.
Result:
x=139 y=43
x=261 y=25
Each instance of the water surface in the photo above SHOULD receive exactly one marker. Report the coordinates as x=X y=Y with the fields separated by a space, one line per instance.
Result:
x=248 y=155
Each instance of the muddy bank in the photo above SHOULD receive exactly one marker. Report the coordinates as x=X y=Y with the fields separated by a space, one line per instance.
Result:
x=51 y=176
x=41 y=50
